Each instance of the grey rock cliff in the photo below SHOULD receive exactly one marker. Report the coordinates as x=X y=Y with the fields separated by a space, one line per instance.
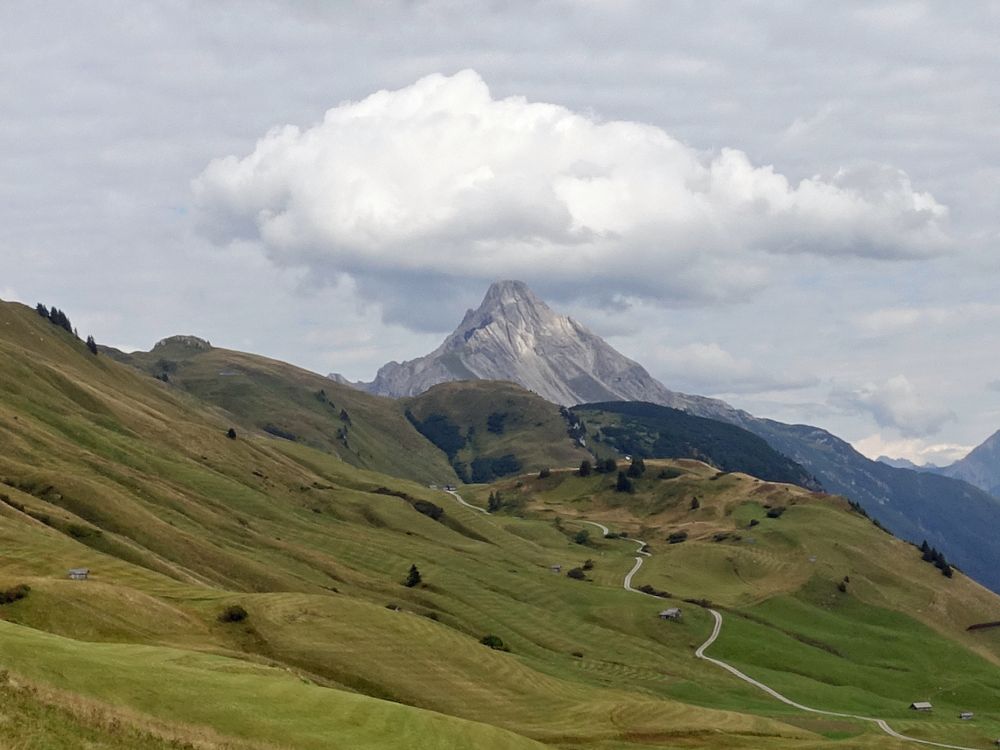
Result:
x=981 y=467
x=515 y=336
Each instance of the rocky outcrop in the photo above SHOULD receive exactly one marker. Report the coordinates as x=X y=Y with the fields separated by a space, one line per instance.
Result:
x=515 y=336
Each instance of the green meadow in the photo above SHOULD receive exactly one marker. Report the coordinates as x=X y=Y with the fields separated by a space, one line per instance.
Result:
x=108 y=468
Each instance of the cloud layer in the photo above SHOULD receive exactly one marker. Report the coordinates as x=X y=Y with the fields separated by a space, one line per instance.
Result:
x=443 y=180
x=896 y=404
x=708 y=368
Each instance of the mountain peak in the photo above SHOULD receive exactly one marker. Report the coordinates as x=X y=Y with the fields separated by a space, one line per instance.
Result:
x=510 y=291
x=515 y=336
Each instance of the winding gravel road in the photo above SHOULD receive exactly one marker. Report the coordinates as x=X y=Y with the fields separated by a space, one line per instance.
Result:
x=700 y=653
x=717 y=628
x=467 y=505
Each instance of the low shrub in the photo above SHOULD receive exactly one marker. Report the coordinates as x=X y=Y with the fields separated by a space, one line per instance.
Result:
x=776 y=511
x=576 y=574
x=495 y=642
x=429 y=509
x=647 y=589
x=272 y=429
x=14 y=593
x=677 y=537
x=233 y=613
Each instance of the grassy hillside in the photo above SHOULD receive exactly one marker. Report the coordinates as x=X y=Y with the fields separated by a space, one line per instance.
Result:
x=106 y=468
x=818 y=601
x=491 y=429
x=295 y=405
x=652 y=431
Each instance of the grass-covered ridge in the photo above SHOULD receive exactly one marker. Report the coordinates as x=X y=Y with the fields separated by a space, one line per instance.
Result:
x=492 y=429
x=295 y=405
x=106 y=468
x=652 y=431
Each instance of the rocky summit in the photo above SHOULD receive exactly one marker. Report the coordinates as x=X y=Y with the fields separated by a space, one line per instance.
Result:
x=515 y=336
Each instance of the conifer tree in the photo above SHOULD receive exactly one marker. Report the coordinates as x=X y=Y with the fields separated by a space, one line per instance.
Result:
x=413 y=577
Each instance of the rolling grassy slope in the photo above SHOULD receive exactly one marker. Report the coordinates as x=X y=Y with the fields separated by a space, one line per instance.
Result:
x=300 y=406
x=105 y=468
x=491 y=428
x=896 y=634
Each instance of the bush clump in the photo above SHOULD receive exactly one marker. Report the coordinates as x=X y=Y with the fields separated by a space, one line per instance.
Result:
x=14 y=593
x=576 y=574
x=233 y=613
x=647 y=589
x=429 y=509
x=637 y=468
x=272 y=429
x=495 y=642
x=413 y=578
x=677 y=537
x=624 y=484
x=776 y=511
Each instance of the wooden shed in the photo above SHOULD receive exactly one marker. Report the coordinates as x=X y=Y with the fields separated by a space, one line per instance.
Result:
x=670 y=614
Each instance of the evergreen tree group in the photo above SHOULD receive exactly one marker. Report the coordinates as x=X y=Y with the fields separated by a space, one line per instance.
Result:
x=58 y=318
x=55 y=316
x=637 y=468
x=931 y=555
x=624 y=484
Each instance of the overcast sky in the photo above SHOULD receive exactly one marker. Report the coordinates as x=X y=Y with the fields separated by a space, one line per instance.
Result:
x=792 y=206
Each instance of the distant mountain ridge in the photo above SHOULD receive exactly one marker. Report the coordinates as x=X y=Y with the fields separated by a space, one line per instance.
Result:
x=514 y=336
x=980 y=468
x=900 y=463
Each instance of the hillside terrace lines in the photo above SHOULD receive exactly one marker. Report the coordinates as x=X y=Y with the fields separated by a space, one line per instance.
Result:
x=717 y=628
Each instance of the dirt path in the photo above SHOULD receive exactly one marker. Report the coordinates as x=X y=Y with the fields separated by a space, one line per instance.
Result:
x=717 y=629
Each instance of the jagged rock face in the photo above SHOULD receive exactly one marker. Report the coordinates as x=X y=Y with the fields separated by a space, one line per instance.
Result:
x=981 y=467
x=515 y=336
x=189 y=342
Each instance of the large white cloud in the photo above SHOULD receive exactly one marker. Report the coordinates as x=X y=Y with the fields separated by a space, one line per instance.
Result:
x=441 y=179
